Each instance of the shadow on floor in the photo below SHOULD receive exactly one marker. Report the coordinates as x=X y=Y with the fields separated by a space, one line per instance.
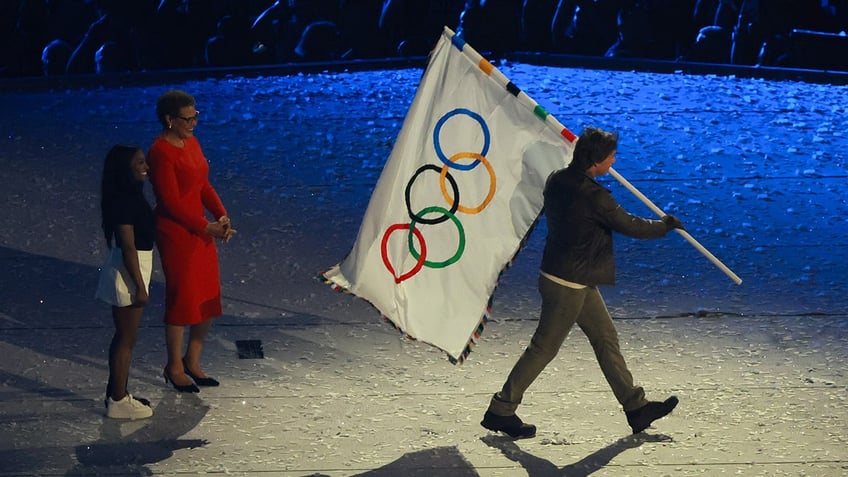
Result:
x=426 y=463
x=538 y=467
x=131 y=446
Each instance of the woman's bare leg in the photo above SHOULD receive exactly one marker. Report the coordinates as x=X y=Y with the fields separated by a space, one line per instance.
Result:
x=196 y=339
x=126 y=321
x=174 y=343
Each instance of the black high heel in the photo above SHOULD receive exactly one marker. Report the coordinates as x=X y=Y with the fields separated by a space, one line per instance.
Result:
x=207 y=381
x=183 y=388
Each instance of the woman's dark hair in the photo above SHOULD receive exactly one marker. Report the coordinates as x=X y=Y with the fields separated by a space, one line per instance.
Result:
x=117 y=181
x=170 y=103
x=593 y=146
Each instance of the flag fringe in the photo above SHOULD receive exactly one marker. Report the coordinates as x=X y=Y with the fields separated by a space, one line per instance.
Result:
x=475 y=336
x=481 y=325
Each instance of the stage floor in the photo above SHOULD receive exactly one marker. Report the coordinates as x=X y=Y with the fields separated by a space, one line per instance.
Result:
x=756 y=170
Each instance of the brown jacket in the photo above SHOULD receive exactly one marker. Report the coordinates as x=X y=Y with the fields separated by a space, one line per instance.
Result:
x=581 y=216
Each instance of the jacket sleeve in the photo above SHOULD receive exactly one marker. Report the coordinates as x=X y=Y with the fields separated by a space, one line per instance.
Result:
x=613 y=215
x=164 y=180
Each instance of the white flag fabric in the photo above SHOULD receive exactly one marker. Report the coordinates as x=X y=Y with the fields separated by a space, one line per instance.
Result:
x=459 y=193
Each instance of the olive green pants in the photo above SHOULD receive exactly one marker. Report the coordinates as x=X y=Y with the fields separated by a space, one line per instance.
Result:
x=561 y=308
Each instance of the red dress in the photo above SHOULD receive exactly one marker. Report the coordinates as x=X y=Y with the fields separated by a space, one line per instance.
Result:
x=180 y=179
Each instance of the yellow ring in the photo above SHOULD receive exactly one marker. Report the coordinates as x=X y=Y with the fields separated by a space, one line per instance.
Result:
x=492 y=182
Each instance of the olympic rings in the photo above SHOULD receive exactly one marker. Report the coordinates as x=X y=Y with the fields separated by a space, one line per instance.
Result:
x=443 y=174
x=385 y=253
x=459 y=249
x=437 y=143
x=453 y=201
x=489 y=196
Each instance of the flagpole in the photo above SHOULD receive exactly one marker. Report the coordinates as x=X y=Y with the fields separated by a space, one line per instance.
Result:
x=683 y=233
x=554 y=124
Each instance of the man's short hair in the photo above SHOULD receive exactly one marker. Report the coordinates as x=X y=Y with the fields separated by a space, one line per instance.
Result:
x=593 y=146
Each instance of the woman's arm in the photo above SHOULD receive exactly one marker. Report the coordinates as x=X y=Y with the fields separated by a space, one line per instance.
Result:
x=212 y=201
x=164 y=180
x=127 y=240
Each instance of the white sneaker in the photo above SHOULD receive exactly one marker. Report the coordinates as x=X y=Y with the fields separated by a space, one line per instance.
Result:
x=127 y=408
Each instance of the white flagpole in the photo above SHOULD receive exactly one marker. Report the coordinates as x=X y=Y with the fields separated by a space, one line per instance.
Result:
x=557 y=126
x=683 y=233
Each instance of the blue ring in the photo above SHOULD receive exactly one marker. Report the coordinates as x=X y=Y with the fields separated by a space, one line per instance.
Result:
x=438 y=147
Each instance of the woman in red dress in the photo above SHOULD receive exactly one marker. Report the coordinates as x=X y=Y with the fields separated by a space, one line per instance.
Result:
x=186 y=238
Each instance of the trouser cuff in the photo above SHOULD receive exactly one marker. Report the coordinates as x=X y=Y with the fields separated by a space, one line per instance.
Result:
x=501 y=407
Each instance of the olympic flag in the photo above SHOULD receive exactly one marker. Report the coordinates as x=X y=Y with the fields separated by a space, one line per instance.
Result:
x=459 y=193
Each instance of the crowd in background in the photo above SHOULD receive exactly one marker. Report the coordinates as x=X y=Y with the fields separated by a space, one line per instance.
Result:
x=54 y=37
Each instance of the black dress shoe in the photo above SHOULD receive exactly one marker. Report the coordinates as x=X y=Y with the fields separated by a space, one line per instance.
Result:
x=183 y=388
x=640 y=419
x=202 y=381
x=510 y=425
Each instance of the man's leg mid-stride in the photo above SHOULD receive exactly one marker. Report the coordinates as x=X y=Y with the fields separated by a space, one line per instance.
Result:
x=596 y=323
x=560 y=308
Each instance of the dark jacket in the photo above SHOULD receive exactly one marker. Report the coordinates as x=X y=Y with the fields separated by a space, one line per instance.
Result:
x=581 y=216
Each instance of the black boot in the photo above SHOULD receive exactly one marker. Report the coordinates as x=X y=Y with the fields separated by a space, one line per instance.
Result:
x=640 y=419
x=510 y=425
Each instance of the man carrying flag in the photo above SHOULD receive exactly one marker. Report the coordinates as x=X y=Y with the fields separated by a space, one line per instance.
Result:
x=578 y=256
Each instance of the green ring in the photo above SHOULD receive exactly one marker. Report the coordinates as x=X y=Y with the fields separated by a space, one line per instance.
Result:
x=460 y=249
